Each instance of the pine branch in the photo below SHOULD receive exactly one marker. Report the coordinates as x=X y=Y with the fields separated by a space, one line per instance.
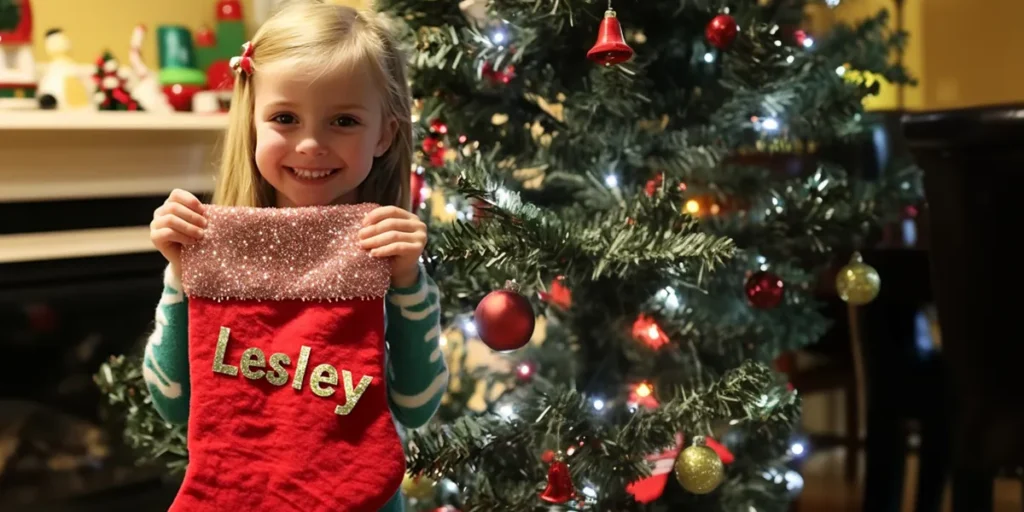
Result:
x=604 y=454
x=519 y=238
x=144 y=431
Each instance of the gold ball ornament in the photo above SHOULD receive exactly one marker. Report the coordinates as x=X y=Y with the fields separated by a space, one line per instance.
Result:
x=698 y=469
x=858 y=283
x=418 y=487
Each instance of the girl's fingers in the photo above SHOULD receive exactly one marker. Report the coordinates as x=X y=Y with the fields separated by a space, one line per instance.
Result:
x=392 y=224
x=186 y=198
x=396 y=249
x=165 y=235
x=384 y=212
x=180 y=225
x=392 y=237
x=190 y=216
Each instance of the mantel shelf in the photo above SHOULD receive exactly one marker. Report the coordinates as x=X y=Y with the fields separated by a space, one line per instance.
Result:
x=44 y=120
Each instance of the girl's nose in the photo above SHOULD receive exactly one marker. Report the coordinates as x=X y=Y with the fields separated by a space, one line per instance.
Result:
x=311 y=146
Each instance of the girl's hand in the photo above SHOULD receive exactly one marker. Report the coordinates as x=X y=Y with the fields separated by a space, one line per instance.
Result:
x=391 y=232
x=179 y=221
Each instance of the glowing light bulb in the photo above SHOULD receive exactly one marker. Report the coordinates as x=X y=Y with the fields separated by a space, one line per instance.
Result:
x=692 y=206
x=652 y=331
x=644 y=390
x=525 y=370
x=611 y=180
x=709 y=57
x=598 y=404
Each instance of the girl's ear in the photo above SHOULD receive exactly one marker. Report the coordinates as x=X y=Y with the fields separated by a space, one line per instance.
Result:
x=387 y=136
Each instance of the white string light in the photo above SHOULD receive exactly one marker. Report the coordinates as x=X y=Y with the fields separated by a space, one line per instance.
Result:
x=506 y=411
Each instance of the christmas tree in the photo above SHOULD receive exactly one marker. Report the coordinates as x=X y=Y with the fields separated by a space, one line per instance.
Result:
x=665 y=184
x=632 y=206
x=111 y=90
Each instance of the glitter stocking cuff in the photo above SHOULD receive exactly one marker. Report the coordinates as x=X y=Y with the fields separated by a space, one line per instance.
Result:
x=308 y=253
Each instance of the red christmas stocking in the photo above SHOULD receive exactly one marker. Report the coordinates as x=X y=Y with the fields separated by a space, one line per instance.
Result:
x=289 y=409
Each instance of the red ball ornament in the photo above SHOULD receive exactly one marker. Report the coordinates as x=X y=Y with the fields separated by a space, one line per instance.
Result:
x=430 y=144
x=438 y=126
x=416 y=190
x=721 y=31
x=229 y=10
x=505 y=320
x=206 y=38
x=799 y=37
x=764 y=290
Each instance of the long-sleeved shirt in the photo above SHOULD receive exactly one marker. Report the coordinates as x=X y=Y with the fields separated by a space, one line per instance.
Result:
x=416 y=373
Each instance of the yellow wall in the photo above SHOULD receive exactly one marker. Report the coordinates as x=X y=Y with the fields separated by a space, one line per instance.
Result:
x=963 y=53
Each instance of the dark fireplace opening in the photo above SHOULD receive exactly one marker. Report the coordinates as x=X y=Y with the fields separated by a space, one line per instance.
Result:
x=60 y=320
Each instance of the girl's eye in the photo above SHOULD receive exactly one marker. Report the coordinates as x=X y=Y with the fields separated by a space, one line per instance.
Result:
x=346 y=121
x=283 y=119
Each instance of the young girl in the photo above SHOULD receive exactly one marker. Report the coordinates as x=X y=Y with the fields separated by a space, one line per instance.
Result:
x=320 y=115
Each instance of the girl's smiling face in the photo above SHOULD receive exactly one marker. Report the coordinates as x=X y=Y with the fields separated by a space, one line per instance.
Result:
x=317 y=134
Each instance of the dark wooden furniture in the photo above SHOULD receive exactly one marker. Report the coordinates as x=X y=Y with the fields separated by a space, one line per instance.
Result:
x=973 y=161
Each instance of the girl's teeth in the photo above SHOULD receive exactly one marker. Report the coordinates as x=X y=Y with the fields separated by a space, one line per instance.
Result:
x=312 y=174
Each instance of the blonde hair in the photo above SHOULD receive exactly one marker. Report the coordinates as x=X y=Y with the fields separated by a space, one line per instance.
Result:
x=318 y=35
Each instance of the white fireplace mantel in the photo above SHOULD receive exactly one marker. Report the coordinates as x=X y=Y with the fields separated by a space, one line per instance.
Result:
x=54 y=155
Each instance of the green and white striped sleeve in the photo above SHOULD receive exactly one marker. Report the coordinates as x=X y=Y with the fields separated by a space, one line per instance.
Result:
x=417 y=375
x=165 y=365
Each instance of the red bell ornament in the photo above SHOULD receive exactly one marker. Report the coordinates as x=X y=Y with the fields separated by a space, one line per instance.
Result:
x=560 y=488
x=611 y=47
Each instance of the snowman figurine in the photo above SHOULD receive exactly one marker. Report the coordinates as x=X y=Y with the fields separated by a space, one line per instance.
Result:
x=63 y=85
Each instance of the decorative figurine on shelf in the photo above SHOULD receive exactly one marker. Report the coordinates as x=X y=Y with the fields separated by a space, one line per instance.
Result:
x=10 y=16
x=63 y=84
x=111 y=93
x=17 y=64
x=179 y=76
x=213 y=55
x=146 y=85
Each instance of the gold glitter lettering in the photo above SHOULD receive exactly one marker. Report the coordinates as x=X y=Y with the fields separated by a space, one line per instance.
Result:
x=323 y=374
x=300 y=369
x=351 y=395
x=218 y=357
x=248 y=363
x=279 y=376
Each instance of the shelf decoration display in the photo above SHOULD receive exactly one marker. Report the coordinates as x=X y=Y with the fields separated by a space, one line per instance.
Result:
x=192 y=66
x=179 y=76
x=17 y=63
x=63 y=85
x=147 y=89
